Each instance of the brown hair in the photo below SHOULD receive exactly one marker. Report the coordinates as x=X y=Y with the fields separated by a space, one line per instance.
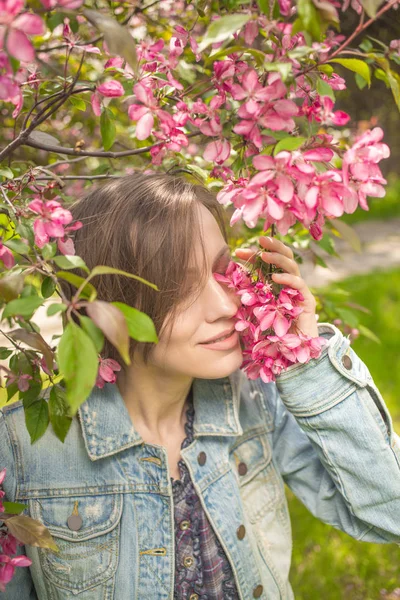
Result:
x=144 y=224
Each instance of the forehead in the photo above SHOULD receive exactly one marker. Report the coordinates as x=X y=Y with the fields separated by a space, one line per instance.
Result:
x=210 y=233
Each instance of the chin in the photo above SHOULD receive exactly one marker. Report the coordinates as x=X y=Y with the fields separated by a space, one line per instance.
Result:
x=217 y=367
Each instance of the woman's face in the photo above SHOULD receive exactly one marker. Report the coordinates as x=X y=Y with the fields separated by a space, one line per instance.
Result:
x=210 y=315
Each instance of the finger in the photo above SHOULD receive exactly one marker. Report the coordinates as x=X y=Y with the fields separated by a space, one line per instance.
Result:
x=294 y=281
x=247 y=254
x=288 y=265
x=276 y=245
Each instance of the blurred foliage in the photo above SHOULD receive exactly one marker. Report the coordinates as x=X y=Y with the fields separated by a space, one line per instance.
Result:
x=326 y=562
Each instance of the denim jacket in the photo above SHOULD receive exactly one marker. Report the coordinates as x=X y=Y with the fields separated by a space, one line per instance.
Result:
x=322 y=428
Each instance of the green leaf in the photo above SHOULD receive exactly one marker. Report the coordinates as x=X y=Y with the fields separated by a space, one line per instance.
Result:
x=264 y=5
x=324 y=89
x=25 y=307
x=6 y=172
x=48 y=287
x=89 y=291
x=17 y=245
x=11 y=286
x=221 y=29
x=55 y=308
x=289 y=143
x=284 y=68
x=14 y=508
x=112 y=323
x=380 y=74
x=104 y=270
x=371 y=6
x=347 y=316
x=360 y=81
x=58 y=412
x=78 y=103
x=49 y=250
x=107 y=130
x=118 y=38
x=80 y=375
x=310 y=18
x=31 y=395
x=327 y=69
x=93 y=332
x=37 y=419
x=140 y=325
x=5 y=353
x=368 y=333
x=70 y=261
x=355 y=65
x=327 y=244
x=31 y=532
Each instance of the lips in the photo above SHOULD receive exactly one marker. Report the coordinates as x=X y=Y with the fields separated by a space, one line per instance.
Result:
x=220 y=338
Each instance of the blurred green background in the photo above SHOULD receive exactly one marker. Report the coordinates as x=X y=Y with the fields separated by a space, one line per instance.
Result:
x=326 y=562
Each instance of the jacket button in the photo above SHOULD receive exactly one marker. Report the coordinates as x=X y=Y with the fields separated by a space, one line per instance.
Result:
x=184 y=525
x=193 y=597
x=242 y=468
x=74 y=522
x=188 y=561
x=347 y=362
x=241 y=532
x=258 y=591
x=201 y=459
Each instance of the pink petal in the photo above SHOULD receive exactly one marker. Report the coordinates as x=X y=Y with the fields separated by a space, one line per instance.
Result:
x=319 y=154
x=281 y=325
x=19 y=46
x=144 y=126
x=285 y=188
x=29 y=24
x=111 y=89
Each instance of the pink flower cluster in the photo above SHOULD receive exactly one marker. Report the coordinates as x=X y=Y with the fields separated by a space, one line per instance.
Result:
x=264 y=320
x=52 y=221
x=8 y=547
x=290 y=187
x=106 y=372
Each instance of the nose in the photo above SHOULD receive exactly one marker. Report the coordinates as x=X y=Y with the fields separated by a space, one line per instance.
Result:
x=223 y=302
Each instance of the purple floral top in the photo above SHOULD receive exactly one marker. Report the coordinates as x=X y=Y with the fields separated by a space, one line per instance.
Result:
x=202 y=569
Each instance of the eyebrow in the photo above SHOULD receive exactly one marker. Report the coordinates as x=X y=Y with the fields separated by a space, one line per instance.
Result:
x=224 y=250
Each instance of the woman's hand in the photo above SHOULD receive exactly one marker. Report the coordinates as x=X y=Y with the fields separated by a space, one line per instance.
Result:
x=277 y=253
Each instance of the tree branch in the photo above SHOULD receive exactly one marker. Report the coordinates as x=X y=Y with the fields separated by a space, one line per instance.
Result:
x=99 y=153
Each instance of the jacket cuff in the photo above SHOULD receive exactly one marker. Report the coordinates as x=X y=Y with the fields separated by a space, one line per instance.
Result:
x=311 y=388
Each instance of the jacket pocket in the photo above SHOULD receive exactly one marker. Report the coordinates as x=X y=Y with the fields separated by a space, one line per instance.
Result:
x=260 y=488
x=88 y=556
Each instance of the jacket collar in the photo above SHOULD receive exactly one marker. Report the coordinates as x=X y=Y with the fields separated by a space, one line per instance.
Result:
x=107 y=426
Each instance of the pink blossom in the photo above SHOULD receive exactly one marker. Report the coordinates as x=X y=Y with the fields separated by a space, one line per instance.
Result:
x=18 y=26
x=6 y=256
x=22 y=380
x=111 y=89
x=7 y=568
x=70 y=4
x=107 y=368
x=143 y=113
x=217 y=152
x=52 y=221
x=321 y=111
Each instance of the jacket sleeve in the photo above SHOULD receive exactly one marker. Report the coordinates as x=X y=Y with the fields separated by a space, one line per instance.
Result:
x=334 y=442
x=21 y=585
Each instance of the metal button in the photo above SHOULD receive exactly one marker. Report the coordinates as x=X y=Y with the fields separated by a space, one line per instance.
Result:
x=74 y=522
x=201 y=459
x=193 y=597
x=188 y=561
x=347 y=362
x=241 y=532
x=258 y=591
x=242 y=468
x=184 y=525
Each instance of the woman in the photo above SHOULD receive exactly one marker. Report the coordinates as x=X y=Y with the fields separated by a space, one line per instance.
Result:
x=170 y=484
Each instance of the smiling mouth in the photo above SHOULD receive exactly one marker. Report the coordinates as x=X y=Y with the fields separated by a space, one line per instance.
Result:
x=220 y=339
